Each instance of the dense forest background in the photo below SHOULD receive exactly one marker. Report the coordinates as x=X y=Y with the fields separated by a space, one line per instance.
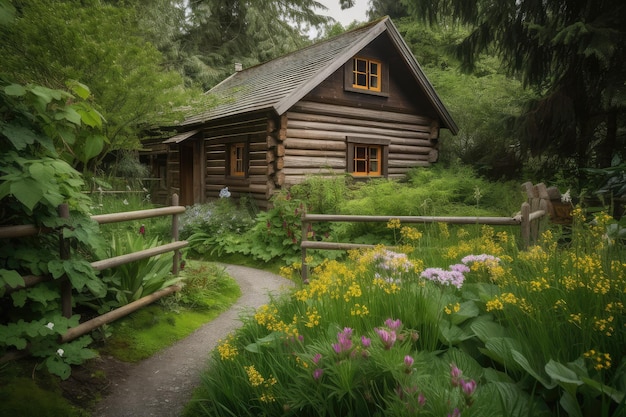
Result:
x=537 y=87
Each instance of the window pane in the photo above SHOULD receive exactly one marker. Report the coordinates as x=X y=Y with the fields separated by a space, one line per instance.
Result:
x=373 y=68
x=361 y=65
x=361 y=79
x=360 y=166
x=373 y=167
x=374 y=82
x=360 y=152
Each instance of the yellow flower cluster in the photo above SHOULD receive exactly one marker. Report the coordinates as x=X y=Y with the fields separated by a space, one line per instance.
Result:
x=462 y=233
x=266 y=316
x=599 y=360
x=410 y=233
x=354 y=290
x=359 y=310
x=539 y=284
x=387 y=286
x=254 y=377
x=452 y=308
x=394 y=224
x=575 y=318
x=604 y=325
x=313 y=317
x=330 y=279
x=506 y=298
x=226 y=350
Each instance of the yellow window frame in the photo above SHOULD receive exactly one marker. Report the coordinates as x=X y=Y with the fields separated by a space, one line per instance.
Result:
x=366 y=74
x=367 y=160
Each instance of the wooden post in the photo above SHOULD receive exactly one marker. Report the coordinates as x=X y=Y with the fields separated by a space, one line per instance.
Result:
x=305 y=229
x=176 y=259
x=64 y=251
x=525 y=212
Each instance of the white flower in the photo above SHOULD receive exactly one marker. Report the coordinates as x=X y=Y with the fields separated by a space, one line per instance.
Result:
x=125 y=202
x=224 y=193
x=60 y=352
x=50 y=325
x=566 y=198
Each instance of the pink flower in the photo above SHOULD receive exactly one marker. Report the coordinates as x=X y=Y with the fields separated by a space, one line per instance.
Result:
x=366 y=342
x=455 y=374
x=408 y=361
x=317 y=374
x=421 y=400
x=468 y=387
x=387 y=337
x=393 y=324
x=317 y=358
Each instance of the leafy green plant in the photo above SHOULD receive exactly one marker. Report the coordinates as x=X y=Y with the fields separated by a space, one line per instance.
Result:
x=134 y=280
x=43 y=131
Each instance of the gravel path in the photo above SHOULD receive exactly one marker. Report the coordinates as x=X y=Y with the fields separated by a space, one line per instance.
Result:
x=160 y=386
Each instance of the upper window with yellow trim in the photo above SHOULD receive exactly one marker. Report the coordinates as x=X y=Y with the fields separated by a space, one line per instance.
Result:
x=366 y=74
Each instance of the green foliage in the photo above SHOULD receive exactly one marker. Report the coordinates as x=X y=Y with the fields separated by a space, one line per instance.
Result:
x=24 y=397
x=98 y=44
x=134 y=280
x=38 y=127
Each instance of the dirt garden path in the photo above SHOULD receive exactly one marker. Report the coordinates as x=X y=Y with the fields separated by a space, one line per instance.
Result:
x=160 y=386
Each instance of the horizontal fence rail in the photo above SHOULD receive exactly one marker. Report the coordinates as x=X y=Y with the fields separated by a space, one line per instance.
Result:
x=20 y=231
x=532 y=211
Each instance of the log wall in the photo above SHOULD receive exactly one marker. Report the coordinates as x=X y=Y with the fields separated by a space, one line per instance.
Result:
x=315 y=139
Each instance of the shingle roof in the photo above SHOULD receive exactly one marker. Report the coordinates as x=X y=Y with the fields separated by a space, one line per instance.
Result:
x=279 y=84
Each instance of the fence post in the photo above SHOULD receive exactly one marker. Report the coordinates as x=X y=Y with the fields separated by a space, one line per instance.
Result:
x=305 y=228
x=176 y=261
x=64 y=252
x=525 y=213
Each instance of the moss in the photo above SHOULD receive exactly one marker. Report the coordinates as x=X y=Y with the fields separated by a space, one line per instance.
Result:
x=23 y=397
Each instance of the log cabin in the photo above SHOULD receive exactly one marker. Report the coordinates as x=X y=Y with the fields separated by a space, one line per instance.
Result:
x=357 y=104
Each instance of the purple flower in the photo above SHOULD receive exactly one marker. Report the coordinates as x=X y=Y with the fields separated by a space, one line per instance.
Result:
x=462 y=268
x=479 y=258
x=387 y=337
x=344 y=339
x=317 y=373
x=317 y=358
x=421 y=400
x=393 y=324
x=468 y=387
x=408 y=361
x=440 y=276
x=455 y=375
x=366 y=342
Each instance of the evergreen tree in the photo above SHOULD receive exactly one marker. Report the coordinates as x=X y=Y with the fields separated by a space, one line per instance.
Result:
x=572 y=53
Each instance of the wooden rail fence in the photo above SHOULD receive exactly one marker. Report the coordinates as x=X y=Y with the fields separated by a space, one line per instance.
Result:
x=538 y=206
x=66 y=290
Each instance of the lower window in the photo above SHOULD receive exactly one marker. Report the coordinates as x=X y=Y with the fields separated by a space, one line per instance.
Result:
x=366 y=157
x=237 y=160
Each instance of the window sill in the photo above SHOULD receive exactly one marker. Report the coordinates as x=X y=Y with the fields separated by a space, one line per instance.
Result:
x=368 y=92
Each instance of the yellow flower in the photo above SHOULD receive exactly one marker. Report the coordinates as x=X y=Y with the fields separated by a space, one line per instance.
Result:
x=313 y=317
x=443 y=229
x=452 y=308
x=410 y=233
x=359 y=310
x=494 y=304
x=393 y=224
x=599 y=360
x=226 y=350
x=254 y=377
x=462 y=233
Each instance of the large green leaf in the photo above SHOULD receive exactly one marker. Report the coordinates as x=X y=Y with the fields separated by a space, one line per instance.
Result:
x=525 y=364
x=28 y=192
x=14 y=89
x=93 y=146
x=617 y=395
x=562 y=373
x=11 y=278
x=19 y=136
